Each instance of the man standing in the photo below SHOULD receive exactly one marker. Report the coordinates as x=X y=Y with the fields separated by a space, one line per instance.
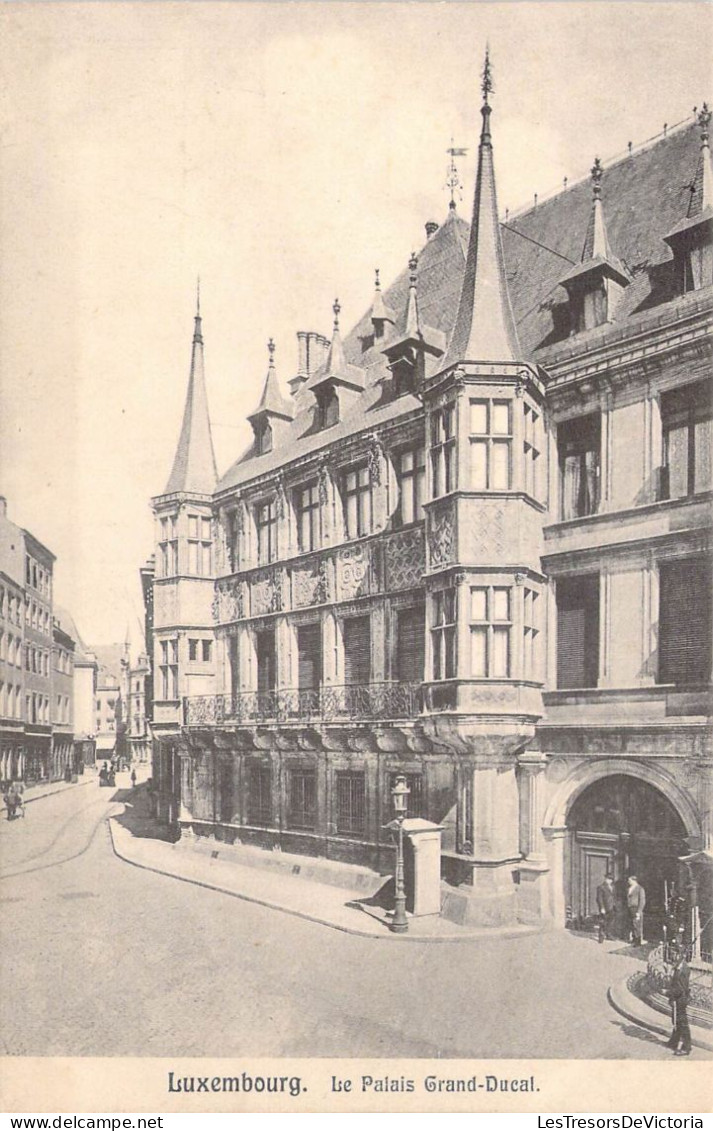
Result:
x=679 y=995
x=607 y=907
x=636 y=900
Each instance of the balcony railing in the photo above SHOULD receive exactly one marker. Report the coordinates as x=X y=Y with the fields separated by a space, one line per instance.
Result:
x=353 y=702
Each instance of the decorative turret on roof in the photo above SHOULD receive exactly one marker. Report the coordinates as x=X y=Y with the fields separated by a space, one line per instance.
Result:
x=484 y=329
x=700 y=207
x=597 y=257
x=412 y=340
x=336 y=370
x=194 y=469
x=380 y=312
x=272 y=403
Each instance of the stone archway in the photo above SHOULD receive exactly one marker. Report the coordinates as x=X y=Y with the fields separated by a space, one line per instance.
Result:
x=576 y=853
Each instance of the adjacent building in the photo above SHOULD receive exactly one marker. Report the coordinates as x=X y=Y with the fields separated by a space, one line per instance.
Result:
x=471 y=545
x=111 y=699
x=137 y=734
x=64 y=762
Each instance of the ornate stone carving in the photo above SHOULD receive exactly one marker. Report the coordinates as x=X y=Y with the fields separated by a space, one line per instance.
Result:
x=228 y=602
x=405 y=559
x=352 y=572
x=441 y=537
x=305 y=582
x=266 y=593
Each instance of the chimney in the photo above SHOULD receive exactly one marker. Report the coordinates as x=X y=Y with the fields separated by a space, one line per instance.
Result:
x=302 y=370
x=312 y=351
x=431 y=228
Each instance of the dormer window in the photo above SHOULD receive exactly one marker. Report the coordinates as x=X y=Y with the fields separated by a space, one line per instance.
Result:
x=327 y=408
x=263 y=437
x=692 y=238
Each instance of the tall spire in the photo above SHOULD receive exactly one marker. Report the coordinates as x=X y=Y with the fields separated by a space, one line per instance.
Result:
x=485 y=327
x=194 y=467
x=596 y=243
x=272 y=402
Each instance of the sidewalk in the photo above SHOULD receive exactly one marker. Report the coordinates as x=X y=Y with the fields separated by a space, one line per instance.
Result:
x=273 y=880
x=48 y=788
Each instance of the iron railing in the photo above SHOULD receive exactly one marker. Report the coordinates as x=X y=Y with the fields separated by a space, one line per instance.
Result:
x=392 y=700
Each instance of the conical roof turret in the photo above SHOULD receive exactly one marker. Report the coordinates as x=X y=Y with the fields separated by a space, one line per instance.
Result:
x=272 y=403
x=484 y=329
x=336 y=369
x=194 y=468
x=596 y=252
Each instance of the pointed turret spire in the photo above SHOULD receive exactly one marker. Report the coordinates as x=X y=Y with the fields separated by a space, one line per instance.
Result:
x=194 y=467
x=336 y=368
x=380 y=312
x=705 y=170
x=413 y=324
x=272 y=403
x=485 y=327
x=697 y=222
x=597 y=256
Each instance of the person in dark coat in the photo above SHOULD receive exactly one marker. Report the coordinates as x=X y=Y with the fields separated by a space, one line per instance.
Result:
x=636 y=902
x=679 y=994
x=606 y=903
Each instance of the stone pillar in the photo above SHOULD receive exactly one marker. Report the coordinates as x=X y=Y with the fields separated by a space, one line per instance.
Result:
x=705 y=804
x=555 y=836
x=533 y=896
x=489 y=892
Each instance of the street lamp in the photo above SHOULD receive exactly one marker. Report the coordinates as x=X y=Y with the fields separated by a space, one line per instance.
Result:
x=399 y=793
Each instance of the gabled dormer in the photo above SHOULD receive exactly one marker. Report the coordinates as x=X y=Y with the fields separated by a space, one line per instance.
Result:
x=412 y=342
x=691 y=241
x=337 y=384
x=595 y=285
x=382 y=317
x=274 y=413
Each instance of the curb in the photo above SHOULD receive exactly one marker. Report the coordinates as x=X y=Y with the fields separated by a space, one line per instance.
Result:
x=633 y=1009
x=64 y=787
x=484 y=933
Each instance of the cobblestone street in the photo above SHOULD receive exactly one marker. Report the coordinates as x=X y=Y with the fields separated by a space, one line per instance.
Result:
x=102 y=958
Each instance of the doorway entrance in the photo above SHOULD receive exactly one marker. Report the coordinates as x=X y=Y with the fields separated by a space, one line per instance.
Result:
x=622 y=826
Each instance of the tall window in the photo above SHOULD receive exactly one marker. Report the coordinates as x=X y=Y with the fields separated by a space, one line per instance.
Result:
x=490 y=445
x=410 y=636
x=685 y=621
x=302 y=801
x=168 y=546
x=687 y=421
x=309 y=656
x=490 y=628
x=357 y=502
x=443 y=634
x=351 y=802
x=307 y=514
x=411 y=478
x=200 y=541
x=532 y=448
x=531 y=631
x=263 y=437
x=259 y=793
x=169 y=669
x=266 y=527
x=357 y=650
x=443 y=450
x=578 y=631
x=579 y=443
x=266 y=660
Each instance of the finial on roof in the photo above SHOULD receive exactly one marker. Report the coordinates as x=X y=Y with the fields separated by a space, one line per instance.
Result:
x=197 y=336
x=412 y=266
x=336 y=308
x=377 y=284
x=271 y=351
x=704 y=121
x=453 y=181
x=487 y=81
x=565 y=182
x=597 y=172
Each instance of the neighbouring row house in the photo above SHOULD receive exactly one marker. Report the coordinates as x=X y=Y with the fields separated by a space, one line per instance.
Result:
x=471 y=546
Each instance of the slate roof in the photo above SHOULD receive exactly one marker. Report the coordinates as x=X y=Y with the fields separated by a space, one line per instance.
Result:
x=646 y=194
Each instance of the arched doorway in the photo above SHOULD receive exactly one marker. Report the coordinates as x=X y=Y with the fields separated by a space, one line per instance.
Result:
x=623 y=826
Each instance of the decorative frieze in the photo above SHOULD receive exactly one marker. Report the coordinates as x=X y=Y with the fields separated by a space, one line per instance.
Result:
x=352 y=572
x=228 y=602
x=266 y=593
x=441 y=536
x=405 y=559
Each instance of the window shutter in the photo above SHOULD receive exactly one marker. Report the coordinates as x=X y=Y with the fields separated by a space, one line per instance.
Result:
x=410 y=644
x=578 y=631
x=266 y=668
x=357 y=650
x=309 y=648
x=685 y=621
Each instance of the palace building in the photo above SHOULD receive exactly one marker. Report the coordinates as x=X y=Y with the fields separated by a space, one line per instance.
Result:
x=470 y=544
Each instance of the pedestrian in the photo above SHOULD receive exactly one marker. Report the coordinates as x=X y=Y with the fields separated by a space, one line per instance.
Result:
x=133 y=779
x=679 y=994
x=606 y=903
x=636 y=902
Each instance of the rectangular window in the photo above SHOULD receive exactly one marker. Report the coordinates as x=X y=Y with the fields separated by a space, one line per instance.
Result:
x=206 y=650
x=302 y=801
x=193 y=649
x=307 y=514
x=415 y=800
x=266 y=660
x=266 y=526
x=578 y=445
x=168 y=546
x=443 y=634
x=200 y=545
x=490 y=445
x=233 y=541
x=309 y=657
x=490 y=627
x=443 y=450
x=411 y=478
x=533 y=443
x=685 y=621
x=687 y=423
x=168 y=669
x=531 y=631
x=578 y=631
x=259 y=794
x=351 y=802
x=410 y=636
x=357 y=502
x=357 y=650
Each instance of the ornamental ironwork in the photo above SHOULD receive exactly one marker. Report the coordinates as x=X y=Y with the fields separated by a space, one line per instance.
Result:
x=331 y=703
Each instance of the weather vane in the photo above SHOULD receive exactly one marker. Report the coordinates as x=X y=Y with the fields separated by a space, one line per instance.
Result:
x=453 y=181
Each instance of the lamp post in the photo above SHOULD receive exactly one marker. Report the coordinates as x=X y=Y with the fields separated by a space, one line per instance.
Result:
x=399 y=793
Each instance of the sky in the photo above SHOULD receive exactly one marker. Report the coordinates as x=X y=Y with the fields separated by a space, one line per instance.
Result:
x=281 y=151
